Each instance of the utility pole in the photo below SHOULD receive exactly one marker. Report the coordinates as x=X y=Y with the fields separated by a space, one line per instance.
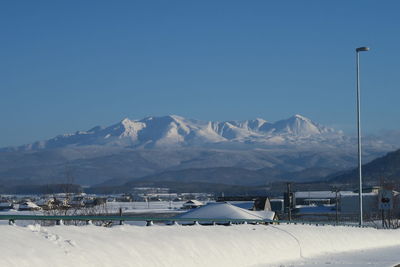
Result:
x=120 y=215
x=289 y=198
x=336 y=190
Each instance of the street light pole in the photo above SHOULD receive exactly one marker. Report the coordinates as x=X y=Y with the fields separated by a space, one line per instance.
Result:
x=359 y=49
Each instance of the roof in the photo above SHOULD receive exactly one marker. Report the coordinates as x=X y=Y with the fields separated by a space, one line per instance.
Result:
x=276 y=200
x=318 y=194
x=29 y=204
x=193 y=202
x=352 y=194
x=224 y=210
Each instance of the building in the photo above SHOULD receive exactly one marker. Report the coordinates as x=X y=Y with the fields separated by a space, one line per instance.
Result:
x=316 y=197
x=192 y=204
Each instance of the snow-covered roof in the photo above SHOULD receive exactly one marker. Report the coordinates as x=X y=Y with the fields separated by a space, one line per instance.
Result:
x=29 y=204
x=352 y=194
x=318 y=194
x=224 y=210
x=193 y=202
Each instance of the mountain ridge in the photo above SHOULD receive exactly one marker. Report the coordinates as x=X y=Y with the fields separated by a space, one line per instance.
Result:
x=384 y=169
x=130 y=149
x=177 y=131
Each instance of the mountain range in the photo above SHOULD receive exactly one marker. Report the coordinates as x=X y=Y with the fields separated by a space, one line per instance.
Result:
x=175 y=131
x=160 y=148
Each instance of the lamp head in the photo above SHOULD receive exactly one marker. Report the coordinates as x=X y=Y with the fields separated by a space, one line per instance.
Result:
x=361 y=49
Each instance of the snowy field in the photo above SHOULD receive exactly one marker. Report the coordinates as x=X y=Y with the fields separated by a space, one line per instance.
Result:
x=241 y=245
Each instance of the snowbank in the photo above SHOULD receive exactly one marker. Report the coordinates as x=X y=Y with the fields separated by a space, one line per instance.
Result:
x=241 y=245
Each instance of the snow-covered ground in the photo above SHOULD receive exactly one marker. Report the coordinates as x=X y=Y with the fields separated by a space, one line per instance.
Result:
x=240 y=245
x=146 y=209
x=113 y=207
x=380 y=257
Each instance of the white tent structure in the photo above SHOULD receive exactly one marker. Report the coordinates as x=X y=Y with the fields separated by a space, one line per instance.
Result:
x=224 y=210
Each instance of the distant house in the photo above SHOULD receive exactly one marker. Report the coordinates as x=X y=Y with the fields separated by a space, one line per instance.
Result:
x=154 y=199
x=53 y=203
x=192 y=204
x=6 y=205
x=94 y=201
x=28 y=205
x=77 y=202
x=124 y=198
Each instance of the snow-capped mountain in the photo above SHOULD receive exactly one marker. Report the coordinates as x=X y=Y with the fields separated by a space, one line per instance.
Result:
x=132 y=149
x=176 y=131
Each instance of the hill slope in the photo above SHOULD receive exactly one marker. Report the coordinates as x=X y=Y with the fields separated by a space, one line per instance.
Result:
x=386 y=168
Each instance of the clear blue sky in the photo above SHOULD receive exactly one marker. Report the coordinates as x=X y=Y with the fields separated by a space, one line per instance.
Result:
x=71 y=65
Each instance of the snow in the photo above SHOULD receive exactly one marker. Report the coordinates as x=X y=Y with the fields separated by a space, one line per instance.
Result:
x=381 y=257
x=238 y=245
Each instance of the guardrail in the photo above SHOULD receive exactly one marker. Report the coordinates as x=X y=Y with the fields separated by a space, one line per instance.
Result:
x=150 y=220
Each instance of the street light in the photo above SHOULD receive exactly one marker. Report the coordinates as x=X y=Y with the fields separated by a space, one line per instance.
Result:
x=359 y=49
